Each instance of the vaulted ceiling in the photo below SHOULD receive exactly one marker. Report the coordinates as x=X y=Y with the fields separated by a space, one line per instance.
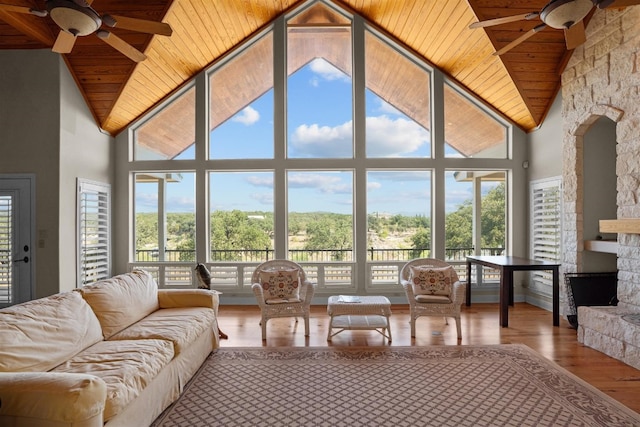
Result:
x=520 y=84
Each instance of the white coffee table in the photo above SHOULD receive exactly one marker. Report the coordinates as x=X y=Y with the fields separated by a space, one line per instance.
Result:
x=348 y=312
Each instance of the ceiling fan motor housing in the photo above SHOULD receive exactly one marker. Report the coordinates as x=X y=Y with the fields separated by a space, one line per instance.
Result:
x=564 y=13
x=73 y=18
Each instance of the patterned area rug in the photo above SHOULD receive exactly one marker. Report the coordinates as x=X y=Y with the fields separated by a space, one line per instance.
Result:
x=501 y=385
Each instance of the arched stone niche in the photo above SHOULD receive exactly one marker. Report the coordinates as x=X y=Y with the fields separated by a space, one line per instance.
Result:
x=574 y=193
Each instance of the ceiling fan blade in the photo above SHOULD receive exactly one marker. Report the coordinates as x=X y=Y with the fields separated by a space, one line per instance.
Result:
x=140 y=25
x=22 y=9
x=64 y=43
x=83 y=3
x=497 y=21
x=121 y=46
x=574 y=36
x=520 y=39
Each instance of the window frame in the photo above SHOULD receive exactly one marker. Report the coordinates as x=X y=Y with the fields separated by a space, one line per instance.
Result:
x=438 y=163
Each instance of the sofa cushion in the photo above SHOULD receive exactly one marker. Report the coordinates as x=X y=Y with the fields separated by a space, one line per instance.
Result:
x=40 y=334
x=126 y=367
x=122 y=300
x=181 y=326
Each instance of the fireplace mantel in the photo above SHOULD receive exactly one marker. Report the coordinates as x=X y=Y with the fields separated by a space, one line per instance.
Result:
x=626 y=225
x=607 y=246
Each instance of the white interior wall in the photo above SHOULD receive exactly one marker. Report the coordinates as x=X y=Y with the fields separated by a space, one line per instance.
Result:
x=545 y=145
x=47 y=130
x=29 y=123
x=85 y=152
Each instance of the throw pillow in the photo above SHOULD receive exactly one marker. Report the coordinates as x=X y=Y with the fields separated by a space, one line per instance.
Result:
x=431 y=280
x=280 y=284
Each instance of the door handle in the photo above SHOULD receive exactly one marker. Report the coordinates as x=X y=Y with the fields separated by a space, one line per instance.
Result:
x=25 y=259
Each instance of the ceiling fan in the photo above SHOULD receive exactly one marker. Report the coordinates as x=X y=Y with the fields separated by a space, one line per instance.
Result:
x=567 y=15
x=77 y=18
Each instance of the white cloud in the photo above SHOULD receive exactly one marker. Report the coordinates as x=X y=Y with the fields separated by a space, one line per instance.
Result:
x=247 y=116
x=416 y=198
x=385 y=138
x=181 y=204
x=263 y=198
x=395 y=177
x=146 y=202
x=324 y=183
x=327 y=71
x=373 y=186
x=386 y=108
x=456 y=197
x=323 y=141
x=394 y=137
x=261 y=180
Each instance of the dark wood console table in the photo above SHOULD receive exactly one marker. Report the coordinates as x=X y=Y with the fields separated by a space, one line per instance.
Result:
x=507 y=265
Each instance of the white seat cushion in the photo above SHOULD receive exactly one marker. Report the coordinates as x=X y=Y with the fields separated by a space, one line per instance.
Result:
x=437 y=299
x=181 y=326
x=125 y=366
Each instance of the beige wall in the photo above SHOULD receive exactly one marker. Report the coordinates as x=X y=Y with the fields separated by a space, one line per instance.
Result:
x=85 y=152
x=29 y=117
x=46 y=130
x=545 y=145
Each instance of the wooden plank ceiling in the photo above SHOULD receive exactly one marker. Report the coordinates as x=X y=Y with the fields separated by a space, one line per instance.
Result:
x=520 y=84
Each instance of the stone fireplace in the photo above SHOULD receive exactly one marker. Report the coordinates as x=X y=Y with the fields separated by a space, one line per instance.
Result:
x=602 y=79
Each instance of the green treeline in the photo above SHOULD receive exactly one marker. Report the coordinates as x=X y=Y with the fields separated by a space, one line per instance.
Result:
x=239 y=230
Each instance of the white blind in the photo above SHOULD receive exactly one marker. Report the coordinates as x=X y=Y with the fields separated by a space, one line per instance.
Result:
x=6 y=250
x=546 y=226
x=94 y=230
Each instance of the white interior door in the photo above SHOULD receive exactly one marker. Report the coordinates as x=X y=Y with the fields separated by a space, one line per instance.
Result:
x=16 y=239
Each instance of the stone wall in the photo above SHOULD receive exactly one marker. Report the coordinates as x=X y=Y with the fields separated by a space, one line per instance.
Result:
x=602 y=78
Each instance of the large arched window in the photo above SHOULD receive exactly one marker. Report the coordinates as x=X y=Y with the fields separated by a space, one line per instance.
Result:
x=324 y=142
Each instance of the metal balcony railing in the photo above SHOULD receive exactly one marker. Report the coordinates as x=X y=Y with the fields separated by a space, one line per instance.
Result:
x=308 y=255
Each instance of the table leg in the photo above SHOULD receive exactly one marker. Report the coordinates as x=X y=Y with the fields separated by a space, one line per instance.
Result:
x=468 y=283
x=556 y=297
x=506 y=281
x=511 y=292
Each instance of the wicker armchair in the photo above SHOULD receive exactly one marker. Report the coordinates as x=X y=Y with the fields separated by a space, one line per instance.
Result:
x=282 y=290
x=446 y=302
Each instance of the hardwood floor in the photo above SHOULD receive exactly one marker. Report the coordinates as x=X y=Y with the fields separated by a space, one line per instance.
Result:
x=528 y=325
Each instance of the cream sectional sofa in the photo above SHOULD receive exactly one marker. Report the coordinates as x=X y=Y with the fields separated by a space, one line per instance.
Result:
x=114 y=353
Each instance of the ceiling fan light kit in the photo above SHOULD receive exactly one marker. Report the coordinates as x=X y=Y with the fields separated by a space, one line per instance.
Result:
x=561 y=14
x=72 y=18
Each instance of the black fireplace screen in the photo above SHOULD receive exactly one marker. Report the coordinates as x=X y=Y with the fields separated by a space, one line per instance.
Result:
x=589 y=289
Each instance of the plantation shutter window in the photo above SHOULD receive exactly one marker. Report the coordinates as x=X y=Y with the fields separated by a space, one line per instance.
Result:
x=94 y=229
x=6 y=237
x=546 y=227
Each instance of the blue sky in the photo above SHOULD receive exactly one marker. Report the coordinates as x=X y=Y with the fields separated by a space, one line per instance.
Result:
x=319 y=126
